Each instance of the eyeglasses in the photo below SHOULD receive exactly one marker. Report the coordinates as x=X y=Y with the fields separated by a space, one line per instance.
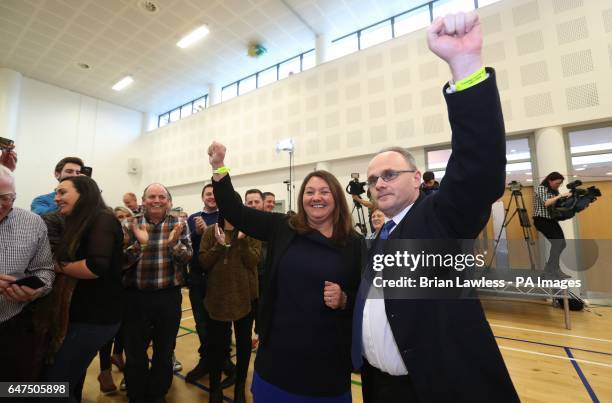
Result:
x=387 y=175
x=8 y=197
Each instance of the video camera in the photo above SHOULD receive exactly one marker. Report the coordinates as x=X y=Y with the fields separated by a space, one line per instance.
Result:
x=515 y=186
x=355 y=187
x=567 y=207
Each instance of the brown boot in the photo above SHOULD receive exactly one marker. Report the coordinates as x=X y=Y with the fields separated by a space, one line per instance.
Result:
x=107 y=385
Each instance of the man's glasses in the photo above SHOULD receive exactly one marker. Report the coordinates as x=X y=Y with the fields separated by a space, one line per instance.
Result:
x=8 y=197
x=387 y=175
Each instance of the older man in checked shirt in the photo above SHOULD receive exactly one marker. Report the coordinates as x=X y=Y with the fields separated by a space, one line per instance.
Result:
x=160 y=247
x=24 y=252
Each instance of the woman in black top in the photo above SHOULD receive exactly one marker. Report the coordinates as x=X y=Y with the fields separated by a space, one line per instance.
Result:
x=545 y=196
x=312 y=276
x=90 y=250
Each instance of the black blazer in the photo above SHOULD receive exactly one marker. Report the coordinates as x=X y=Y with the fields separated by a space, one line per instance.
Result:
x=447 y=345
x=274 y=229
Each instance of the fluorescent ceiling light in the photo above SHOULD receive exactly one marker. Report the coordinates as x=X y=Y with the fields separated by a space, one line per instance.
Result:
x=124 y=82
x=193 y=37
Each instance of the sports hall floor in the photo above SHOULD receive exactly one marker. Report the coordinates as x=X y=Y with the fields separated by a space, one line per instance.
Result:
x=547 y=362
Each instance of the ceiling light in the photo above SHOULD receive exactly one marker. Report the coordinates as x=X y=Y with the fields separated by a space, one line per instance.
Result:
x=527 y=173
x=512 y=151
x=529 y=180
x=124 y=82
x=579 y=169
x=608 y=173
x=193 y=36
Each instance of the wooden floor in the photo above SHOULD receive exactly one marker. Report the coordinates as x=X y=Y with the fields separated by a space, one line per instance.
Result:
x=547 y=362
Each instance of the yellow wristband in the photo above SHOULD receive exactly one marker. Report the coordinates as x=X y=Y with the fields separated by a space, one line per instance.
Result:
x=143 y=247
x=471 y=80
x=221 y=170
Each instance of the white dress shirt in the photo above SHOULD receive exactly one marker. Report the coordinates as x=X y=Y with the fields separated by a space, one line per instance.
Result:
x=379 y=346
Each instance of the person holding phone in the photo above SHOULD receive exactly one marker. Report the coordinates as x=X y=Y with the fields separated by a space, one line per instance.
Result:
x=26 y=274
x=91 y=251
x=65 y=168
x=230 y=259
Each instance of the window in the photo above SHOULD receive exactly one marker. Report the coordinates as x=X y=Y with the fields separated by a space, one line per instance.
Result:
x=200 y=104
x=411 y=21
x=229 y=92
x=164 y=119
x=247 y=84
x=443 y=7
x=344 y=46
x=518 y=167
x=266 y=77
x=591 y=151
x=309 y=60
x=375 y=35
x=518 y=155
x=175 y=115
x=186 y=110
x=291 y=66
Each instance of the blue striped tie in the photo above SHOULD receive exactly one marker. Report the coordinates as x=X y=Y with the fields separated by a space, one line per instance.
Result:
x=362 y=294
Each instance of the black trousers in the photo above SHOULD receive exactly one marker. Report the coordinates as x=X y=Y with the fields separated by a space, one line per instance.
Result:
x=197 y=292
x=21 y=354
x=218 y=333
x=553 y=232
x=380 y=387
x=107 y=349
x=150 y=316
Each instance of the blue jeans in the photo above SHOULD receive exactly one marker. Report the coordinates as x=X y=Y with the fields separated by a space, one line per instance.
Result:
x=82 y=342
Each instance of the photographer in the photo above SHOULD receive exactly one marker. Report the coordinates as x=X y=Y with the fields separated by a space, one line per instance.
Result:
x=545 y=197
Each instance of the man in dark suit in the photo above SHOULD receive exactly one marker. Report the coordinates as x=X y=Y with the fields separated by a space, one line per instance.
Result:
x=438 y=350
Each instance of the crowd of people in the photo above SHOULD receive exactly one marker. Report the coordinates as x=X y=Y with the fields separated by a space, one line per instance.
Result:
x=105 y=277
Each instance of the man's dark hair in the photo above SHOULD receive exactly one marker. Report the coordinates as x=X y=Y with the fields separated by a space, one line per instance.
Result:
x=68 y=160
x=266 y=194
x=428 y=176
x=208 y=185
x=253 y=191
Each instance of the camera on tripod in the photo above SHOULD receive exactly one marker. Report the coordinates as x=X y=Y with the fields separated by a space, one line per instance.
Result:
x=355 y=187
x=567 y=207
x=515 y=186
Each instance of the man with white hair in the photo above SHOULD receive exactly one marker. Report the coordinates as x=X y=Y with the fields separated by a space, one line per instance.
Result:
x=24 y=255
x=159 y=249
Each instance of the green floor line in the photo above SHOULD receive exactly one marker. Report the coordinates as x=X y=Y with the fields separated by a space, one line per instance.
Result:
x=187 y=329
x=356 y=382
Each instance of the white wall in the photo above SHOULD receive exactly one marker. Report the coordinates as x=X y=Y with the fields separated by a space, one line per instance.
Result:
x=553 y=66
x=54 y=123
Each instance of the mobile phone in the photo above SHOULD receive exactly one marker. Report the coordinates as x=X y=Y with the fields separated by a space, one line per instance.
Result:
x=87 y=171
x=31 y=281
x=5 y=143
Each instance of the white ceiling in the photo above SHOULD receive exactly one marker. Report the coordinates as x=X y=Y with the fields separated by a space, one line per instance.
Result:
x=45 y=39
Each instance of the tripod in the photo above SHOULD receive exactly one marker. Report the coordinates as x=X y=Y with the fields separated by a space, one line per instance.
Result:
x=521 y=211
x=360 y=217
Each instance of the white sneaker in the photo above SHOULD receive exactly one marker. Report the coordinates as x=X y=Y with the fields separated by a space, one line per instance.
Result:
x=176 y=364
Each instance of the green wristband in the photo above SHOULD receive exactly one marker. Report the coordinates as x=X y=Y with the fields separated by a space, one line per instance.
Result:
x=471 y=80
x=221 y=170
